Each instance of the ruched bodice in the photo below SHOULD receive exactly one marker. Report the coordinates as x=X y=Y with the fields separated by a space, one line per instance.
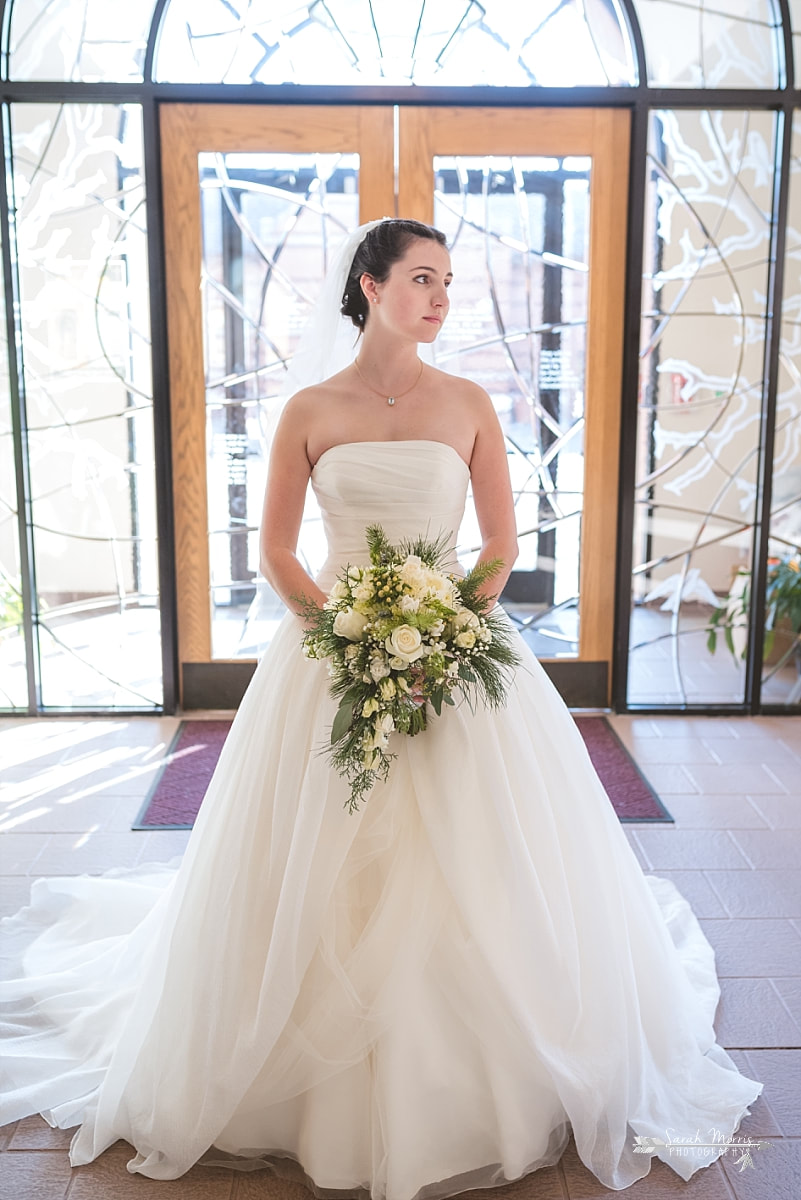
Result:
x=408 y=487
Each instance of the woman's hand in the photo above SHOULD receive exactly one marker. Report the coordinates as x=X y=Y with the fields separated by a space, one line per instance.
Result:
x=492 y=496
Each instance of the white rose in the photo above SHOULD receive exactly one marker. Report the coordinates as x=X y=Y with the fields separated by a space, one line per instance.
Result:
x=339 y=591
x=398 y=664
x=409 y=604
x=413 y=574
x=350 y=624
x=466 y=639
x=440 y=587
x=384 y=724
x=379 y=668
x=405 y=642
x=363 y=592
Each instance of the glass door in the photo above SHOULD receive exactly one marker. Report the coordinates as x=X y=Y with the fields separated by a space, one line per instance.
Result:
x=256 y=202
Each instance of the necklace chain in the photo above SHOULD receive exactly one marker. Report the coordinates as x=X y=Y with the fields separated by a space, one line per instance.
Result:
x=396 y=396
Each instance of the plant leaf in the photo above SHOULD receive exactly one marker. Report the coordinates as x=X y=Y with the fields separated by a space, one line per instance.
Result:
x=342 y=721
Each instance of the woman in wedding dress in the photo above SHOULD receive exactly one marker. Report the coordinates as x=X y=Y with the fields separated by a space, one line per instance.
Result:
x=425 y=996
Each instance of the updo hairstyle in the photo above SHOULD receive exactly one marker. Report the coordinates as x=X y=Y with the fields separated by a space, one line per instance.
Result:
x=384 y=245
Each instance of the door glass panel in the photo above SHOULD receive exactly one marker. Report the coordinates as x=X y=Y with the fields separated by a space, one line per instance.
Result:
x=271 y=224
x=519 y=235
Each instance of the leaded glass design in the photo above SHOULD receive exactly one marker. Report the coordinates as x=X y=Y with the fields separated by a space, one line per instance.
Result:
x=84 y=317
x=271 y=223
x=709 y=196
x=734 y=44
x=86 y=40
x=518 y=229
x=781 y=676
x=429 y=42
x=795 y=25
x=13 y=685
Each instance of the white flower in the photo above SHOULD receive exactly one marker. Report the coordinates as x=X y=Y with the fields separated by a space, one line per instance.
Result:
x=339 y=591
x=369 y=707
x=437 y=628
x=350 y=624
x=409 y=604
x=387 y=688
x=405 y=642
x=466 y=639
x=398 y=664
x=384 y=724
x=465 y=619
x=363 y=592
x=441 y=588
x=379 y=667
x=351 y=652
x=413 y=574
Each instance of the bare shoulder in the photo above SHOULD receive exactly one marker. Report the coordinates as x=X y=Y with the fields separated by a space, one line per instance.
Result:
x=472 y=401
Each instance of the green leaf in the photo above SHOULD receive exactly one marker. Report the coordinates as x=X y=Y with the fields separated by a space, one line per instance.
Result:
x=729 y=639
x=436 y=701
x=448 y=698
x=342 y=721
x=466 y=673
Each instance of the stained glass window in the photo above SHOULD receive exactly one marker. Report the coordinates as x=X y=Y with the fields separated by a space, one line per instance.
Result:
x=709 y=197
x=427 y=42
x=13 y=665
x=84 y=313
x=781 y=676
x=84 y=40
x=734 y=44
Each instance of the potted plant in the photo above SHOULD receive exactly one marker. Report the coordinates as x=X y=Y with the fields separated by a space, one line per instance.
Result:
x=782 y=612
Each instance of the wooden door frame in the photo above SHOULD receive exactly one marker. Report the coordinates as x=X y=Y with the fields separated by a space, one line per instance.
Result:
x=186 y=131
x=603 y=135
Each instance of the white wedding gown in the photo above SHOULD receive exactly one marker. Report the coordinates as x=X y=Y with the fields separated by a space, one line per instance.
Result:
x=415 y=1000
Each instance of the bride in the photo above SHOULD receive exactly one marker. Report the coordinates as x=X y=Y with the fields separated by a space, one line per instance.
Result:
x=423 y=997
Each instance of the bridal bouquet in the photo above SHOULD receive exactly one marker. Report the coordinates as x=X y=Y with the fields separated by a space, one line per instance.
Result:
x=399 y=635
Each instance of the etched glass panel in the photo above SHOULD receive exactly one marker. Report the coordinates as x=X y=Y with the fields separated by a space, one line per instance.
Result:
x=87 y=40
x=84 y=312
x=381 y=42
x=518 y=229
x=13 y=665
x=271 y=223
x=709 y=194
x=781 y=676
x=732 y=44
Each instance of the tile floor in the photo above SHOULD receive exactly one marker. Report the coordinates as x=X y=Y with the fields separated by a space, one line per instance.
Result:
x=71 y=788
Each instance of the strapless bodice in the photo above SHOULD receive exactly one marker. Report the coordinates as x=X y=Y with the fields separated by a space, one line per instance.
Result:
x=408 y=487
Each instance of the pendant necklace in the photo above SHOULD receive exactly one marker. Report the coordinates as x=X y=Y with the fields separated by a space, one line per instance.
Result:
x=389 y=399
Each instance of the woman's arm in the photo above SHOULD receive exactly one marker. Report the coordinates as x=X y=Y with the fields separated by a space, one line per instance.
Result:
x=492 y=496
x=284 y=498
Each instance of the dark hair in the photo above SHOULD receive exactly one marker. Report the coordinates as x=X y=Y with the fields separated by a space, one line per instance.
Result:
x=384 y=245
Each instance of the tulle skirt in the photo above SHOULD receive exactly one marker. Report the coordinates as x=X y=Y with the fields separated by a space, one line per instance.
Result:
x=403 y=1003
